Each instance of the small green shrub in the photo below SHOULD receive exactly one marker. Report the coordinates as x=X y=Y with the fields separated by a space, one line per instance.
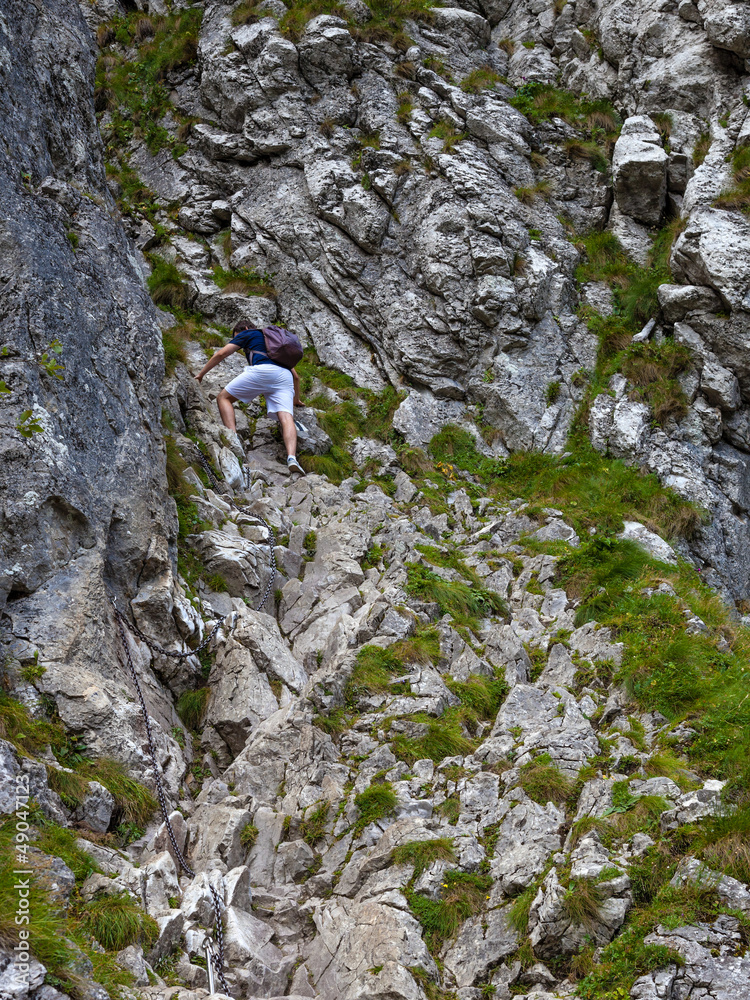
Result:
x=552 y=392
x=373 y=556
x=217 y=583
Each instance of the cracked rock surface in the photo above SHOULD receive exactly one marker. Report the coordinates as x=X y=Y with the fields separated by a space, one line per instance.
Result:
x=391 y=798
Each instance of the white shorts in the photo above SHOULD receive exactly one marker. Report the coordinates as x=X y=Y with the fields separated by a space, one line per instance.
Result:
x=271 y=381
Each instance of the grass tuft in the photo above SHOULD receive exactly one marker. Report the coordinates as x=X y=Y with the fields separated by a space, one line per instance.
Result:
x=461 y=896
x=465 y=603
x=544 y=782
x=480 y=695
x=483 y=78
x=518 y=914
x=582 y=902
x=135 y=93
x=69 y=785
x=47 y=926
x=62 y=843
x=738 y=196
x=313 y=826
x=243 y=280
x=174 y=349
x=134 y=802
x=248 y=835
x=117 y=921
x=445 y=737
x=375 y=803
x=424 y=853
x=166 y=285
x=191 y=707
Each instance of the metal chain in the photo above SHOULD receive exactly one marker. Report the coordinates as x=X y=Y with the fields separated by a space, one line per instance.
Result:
x=217 y=958
x=156 y=648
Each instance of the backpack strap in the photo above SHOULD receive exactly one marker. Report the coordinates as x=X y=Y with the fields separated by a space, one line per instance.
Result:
x=252 y=353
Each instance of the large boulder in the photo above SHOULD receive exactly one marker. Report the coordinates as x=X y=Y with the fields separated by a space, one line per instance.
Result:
x=729 y=28
x=714 y=250
x=254 y=669
x=482 y=942
x=639 y=170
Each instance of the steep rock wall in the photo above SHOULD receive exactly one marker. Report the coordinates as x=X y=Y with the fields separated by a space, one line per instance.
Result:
x=85 y=511
x=421 y=230
x=491 y=744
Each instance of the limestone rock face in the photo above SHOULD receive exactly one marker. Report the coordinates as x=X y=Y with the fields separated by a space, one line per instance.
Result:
x=411 y=773
x=729 y=28
x=85 y=509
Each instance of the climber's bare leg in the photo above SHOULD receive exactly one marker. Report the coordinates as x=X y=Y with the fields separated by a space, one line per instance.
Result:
x=225 y=402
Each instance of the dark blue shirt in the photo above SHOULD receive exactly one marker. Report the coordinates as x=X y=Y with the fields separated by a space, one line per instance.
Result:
x=252 y=340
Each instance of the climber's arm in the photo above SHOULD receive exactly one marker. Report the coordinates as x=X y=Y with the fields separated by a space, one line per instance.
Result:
x=223 y=352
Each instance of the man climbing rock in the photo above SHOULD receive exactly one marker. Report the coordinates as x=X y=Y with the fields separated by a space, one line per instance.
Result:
x=263 y=376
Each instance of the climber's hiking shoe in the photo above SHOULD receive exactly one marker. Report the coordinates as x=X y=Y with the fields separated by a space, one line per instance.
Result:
x=293 y=465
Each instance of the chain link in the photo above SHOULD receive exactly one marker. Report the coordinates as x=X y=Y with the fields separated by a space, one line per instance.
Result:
x=124 y=623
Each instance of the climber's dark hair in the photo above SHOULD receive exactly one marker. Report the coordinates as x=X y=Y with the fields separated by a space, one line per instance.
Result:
x=242 y=325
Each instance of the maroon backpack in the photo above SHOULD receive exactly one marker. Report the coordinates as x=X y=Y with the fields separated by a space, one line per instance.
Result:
x=282 y=346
